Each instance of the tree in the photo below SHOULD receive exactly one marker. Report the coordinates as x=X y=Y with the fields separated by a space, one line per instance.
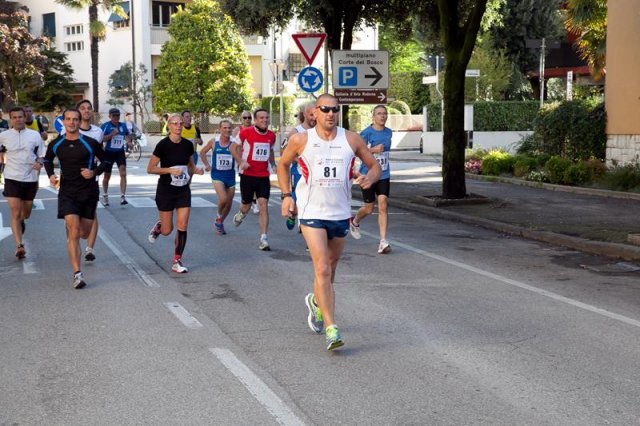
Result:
x=21 y=60
x=204 y=67
x=121 y=87
x=588 y=19
x=97 y=33
x=54 y=92
x=495 y=73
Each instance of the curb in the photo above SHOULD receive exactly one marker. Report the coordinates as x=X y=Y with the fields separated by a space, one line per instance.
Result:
x=615 y=250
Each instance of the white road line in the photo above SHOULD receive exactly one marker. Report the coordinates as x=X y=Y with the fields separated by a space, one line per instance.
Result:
x=257 y=387
x=183 y=315
x=201 y=202
x=29 y=267
x=38 y=204
x=514 y=283
x=127 y=260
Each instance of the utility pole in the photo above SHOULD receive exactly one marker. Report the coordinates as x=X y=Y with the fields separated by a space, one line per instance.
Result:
x=542 y=55
x=133 y=61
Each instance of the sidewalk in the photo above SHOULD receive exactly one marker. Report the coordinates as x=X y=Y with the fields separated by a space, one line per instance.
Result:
x=596 y=224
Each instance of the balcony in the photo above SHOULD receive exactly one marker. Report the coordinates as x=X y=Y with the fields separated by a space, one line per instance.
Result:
x=159 y=35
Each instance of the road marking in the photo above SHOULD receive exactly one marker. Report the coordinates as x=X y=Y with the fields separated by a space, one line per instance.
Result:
x=142 y=202
x=514 y=283
x=201 y=202
x=29 y=267
x=257 y=387
x=183 y=315
x=38 y=204
x=127 y=260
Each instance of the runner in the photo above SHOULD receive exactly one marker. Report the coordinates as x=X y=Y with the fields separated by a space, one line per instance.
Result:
x=378 y=139
x=191 y=133
x=326 y=156
x=79 y=193
x=4 y=125
x=33 y=123
x=115 y=137
x=23 y=151
x=223 y=172
x=308 y=121
x=246 y=124
x=172 y=159
x=253 y=151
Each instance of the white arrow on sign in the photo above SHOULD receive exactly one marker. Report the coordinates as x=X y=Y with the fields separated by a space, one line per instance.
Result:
x=382 y=97
x=4 y=232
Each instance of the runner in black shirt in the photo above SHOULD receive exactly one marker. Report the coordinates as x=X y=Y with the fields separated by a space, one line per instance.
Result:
x=78 y=195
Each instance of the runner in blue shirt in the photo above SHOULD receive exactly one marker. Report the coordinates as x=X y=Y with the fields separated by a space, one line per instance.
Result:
x=378 y=139
x=115 y=137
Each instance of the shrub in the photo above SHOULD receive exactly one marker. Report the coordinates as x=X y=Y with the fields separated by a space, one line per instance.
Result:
x=556 y=168
x=287 y=101
x=523 y=165
x=152 y=126
x=597 y=168
x=493 y=116
x=473 y=166
x=475 y=154
x=623 y=178
x=578 y=174
x=497 y=163
x=537 y=176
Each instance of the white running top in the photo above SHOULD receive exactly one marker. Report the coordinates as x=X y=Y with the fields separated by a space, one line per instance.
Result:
x=23 y=149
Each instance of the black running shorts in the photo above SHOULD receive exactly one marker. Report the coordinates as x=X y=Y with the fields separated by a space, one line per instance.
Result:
x=26 y=191
x=83 y=207
x=115 y=157
x=381 y=187
x=249 y=185
x=168 y=200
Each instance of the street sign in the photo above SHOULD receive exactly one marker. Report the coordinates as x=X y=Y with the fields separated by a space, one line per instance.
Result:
x=360 y=69
x=309 y=44
x=360 y=96
x=57 y=124
x=432 y=79
x=472 y=73
x=310 y=79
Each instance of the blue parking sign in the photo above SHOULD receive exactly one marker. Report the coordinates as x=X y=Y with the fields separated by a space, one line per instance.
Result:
x=348 y=76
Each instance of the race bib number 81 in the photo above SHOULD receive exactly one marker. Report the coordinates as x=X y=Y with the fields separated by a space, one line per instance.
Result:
x=329 y=172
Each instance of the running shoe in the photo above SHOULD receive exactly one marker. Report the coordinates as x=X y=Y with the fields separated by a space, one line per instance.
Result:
x=155 y=232
x=315 y=321
x=20 y=251
x=105 y=200
x=291 y=222
x=384 y=247
x=89 y=255
x=78 y=280
x=123 y=201
x=219 y=226
x=255 y=208
x=238 y=218
x=333 y=338
x=354 y=229
x=178 y=267
x=264 y=244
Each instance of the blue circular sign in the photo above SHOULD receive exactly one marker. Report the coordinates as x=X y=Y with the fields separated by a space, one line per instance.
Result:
x=310 y=79
x=57 y=124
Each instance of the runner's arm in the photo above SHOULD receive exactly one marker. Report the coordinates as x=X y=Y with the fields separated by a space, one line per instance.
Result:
x=362 y=152
x=203 y=154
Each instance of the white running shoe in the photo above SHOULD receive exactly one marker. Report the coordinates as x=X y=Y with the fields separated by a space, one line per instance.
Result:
x=238 y=218
x=178 y=267
x=354 y=229
x=255 y=208
x=105 y=200
x=155 y=232
x=264 y=244
x=89 y=254
x=384 y=247
x=78 y=281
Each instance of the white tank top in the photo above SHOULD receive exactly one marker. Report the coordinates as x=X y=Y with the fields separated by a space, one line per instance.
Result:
x=324 y=191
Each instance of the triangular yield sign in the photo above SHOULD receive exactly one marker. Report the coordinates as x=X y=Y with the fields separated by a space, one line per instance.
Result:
x=309 y=44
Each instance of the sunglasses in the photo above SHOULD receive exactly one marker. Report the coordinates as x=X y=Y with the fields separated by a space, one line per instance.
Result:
x=325 y=109
x=176 y=122
x=246 y=118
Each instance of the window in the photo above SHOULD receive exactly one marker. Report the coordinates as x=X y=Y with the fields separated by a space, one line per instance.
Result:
x=49 y=24
x=295 y=63
x=73 y=29
x=74 y=46
x=161 y=13
x=119 y=21
x=121 y=24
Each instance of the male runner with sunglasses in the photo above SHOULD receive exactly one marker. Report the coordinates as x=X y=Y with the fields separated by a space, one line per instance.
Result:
x=325 y=154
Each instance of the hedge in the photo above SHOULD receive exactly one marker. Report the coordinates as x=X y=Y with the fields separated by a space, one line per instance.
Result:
x=500 y=116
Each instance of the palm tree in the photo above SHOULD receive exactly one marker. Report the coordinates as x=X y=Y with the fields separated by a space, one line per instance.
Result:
x=588 y=20
x=97 y=32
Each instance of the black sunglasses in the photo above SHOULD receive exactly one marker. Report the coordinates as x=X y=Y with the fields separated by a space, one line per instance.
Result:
x=246 y=118
x=326 y=109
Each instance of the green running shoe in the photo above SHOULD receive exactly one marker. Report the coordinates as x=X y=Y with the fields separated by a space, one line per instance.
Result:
x=315 y=321
x=333 y=338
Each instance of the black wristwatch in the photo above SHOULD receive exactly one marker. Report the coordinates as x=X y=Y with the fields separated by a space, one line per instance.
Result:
x=285 y=195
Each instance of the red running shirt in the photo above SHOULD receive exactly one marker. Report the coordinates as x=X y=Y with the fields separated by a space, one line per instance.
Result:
x=256 y=148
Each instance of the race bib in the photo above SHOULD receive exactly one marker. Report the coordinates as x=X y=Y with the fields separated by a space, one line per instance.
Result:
x=383 y=160
x=224 y=161
x=182 y=179
x=117 y=142
x=260 y=151
x=329 y=172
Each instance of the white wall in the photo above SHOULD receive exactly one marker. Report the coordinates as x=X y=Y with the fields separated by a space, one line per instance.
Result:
x=432 y=141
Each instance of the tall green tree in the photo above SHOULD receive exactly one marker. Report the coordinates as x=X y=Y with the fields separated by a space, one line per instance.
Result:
x=588 y=19
x=21 y=60
x=204 y=67
x=97 y=33
x=121 y=87
x=54 y=92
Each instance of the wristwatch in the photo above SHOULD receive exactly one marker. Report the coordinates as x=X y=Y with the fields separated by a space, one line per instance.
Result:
x=285 y=195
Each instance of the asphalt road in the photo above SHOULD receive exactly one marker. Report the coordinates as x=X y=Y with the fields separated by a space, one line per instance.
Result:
x=458 y=325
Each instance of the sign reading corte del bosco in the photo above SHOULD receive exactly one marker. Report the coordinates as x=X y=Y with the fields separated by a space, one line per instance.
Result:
x=360 y=69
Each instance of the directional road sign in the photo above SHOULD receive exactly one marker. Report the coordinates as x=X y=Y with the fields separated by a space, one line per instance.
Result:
x=310 y=79
x=309 y=44
x=57 y=124
x=360 y=96
x=360 y=69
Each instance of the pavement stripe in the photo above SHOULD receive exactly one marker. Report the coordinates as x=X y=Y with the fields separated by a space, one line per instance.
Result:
x=509 y=281
x=127 y=260
x=29 y=267
x=38 y=204
x=183 y=315
x=257 y=387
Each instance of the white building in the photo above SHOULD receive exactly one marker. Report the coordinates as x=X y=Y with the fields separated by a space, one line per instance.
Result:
x=69 y=29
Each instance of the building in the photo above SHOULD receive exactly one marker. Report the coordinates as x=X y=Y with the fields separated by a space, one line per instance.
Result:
x=69 y=30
